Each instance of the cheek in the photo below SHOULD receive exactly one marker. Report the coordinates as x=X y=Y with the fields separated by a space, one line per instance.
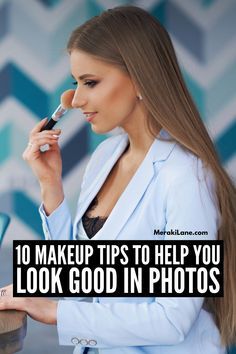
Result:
x=119 y=99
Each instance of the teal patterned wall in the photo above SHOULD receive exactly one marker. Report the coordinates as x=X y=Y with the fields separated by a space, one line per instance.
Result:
x=34 y=71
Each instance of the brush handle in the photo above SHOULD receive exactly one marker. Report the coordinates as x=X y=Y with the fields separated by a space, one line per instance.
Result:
x=50 y=124
x=56 y=116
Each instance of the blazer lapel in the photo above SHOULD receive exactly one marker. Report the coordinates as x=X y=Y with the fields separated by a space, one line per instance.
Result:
x=130 y=198
x=127 y=202
x=98 y=181
x=132 y=195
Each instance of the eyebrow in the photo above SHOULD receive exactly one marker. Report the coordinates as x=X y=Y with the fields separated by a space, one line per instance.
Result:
x=84 y=76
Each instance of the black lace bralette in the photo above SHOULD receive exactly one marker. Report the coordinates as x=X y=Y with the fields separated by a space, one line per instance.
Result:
x=92 y=224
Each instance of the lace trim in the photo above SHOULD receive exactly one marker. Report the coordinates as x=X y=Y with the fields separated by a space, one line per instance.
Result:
x=92 y=224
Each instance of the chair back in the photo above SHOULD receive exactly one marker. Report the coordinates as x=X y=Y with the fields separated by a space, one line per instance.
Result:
x=4 y=222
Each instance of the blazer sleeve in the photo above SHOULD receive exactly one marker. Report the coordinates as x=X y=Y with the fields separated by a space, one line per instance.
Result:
x=58 y=225
x=190 y=206
x=127 y=324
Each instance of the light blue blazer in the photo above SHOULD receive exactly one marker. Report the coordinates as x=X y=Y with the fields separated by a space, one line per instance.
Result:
x=170 y=190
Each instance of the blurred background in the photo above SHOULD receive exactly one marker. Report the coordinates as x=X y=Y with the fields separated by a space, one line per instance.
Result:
x=34 y=71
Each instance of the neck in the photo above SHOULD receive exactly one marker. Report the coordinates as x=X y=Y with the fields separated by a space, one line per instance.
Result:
x=140 y=139
x=139 y=143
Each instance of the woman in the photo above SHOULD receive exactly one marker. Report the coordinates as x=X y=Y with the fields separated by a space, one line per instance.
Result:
x=161 y=173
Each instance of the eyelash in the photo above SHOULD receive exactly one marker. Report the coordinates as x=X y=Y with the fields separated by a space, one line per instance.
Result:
x=90 y=83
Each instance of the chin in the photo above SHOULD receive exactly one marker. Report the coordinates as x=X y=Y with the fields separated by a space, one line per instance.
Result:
x=101 y=130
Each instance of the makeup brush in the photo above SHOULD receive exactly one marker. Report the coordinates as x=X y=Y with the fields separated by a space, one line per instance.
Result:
x=66 y=99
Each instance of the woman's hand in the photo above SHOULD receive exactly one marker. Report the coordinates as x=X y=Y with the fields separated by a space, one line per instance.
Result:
x=40 y=309
x=47 y=165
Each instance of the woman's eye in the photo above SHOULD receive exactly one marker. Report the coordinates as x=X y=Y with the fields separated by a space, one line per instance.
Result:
x=90 y=83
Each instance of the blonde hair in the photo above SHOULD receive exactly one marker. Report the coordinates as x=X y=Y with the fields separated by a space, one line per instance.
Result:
x=134 y=41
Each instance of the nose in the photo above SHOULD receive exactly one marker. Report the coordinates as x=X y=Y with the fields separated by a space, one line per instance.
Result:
x=78 y=100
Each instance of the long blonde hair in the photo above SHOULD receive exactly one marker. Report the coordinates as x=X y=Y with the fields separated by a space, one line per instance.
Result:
x=134 y=41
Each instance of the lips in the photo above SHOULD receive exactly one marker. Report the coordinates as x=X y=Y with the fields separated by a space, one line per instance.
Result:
x=90 y=115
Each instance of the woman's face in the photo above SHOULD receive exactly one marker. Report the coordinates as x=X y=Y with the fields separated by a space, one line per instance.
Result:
x=105 y=90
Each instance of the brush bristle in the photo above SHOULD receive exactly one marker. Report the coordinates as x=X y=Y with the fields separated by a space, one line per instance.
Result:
x=66 y=99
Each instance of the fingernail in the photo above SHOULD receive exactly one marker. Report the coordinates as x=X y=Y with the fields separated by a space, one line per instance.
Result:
x=56 y=136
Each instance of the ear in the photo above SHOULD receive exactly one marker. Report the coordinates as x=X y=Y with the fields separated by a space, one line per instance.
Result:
x=137 y=91
x=139 y=96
